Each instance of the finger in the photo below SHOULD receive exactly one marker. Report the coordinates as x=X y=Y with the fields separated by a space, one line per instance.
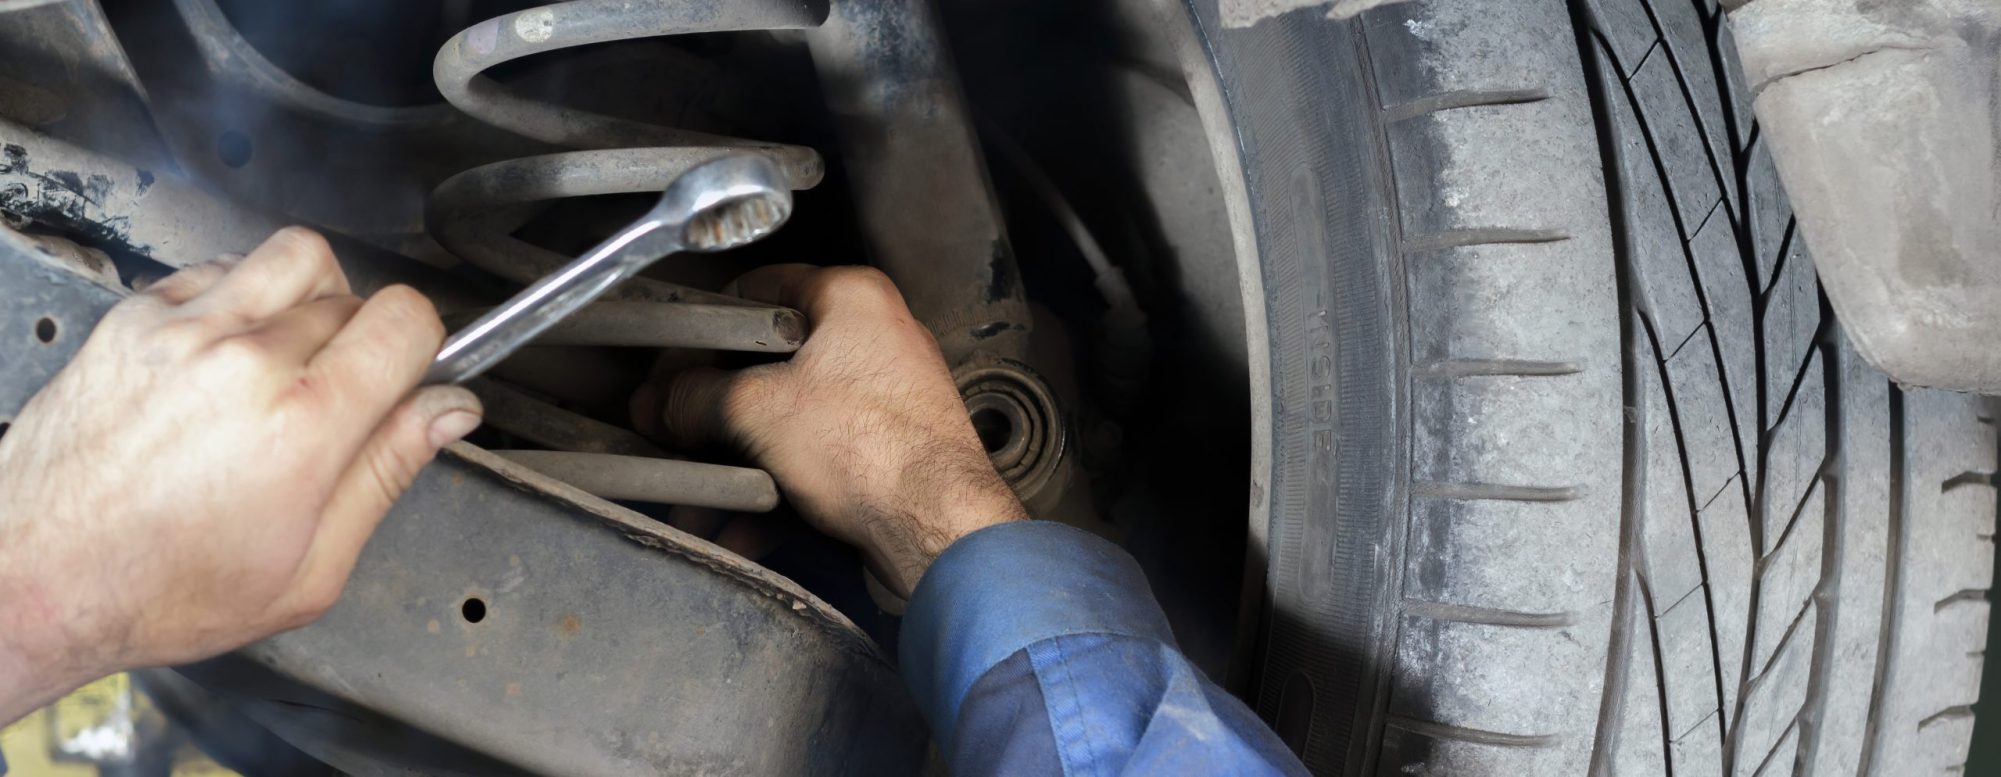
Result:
x=379 y=355
x=189 y=282
x=702 y=522
x=706 y=406
x=298 y=334
x=776 y=284
x=752 y=537
x=294 y=265
x=409 y=438
x=825 y=294
x=646 y=405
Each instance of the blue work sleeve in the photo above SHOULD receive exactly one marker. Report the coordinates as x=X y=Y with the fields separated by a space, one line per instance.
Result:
x=1036 y=648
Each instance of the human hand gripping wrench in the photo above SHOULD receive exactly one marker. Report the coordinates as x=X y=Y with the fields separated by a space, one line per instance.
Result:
x=308 y=434
x=716 y=205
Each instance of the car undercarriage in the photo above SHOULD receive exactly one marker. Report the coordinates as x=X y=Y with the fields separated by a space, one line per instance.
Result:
x=1048 y=232
x=1460 y=374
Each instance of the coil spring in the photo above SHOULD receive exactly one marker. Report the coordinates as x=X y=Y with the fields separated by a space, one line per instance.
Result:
x=469 y=213
x=472 y=213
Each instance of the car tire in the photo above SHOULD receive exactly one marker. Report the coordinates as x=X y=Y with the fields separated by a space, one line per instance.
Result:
x=1563 y=465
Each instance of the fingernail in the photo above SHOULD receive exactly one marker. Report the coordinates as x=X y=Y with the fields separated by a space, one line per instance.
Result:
x=453 y=426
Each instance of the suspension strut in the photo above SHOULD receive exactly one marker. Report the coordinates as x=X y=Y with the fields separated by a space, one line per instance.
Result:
x=932 y=223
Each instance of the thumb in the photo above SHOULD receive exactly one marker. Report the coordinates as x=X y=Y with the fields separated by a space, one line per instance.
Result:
x=426 y=421
x=705 y=406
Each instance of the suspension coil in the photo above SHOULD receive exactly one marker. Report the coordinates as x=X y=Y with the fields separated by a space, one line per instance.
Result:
x=472 y=214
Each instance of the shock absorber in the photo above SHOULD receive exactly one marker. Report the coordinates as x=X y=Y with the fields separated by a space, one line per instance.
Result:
x=473 y=213
x=933 y=223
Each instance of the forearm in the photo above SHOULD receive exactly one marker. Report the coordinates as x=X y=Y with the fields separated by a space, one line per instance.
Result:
x=35 y=668
x=27 y=685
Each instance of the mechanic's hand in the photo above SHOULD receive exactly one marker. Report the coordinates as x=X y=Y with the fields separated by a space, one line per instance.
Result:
x=206 y=470
x=863 y=428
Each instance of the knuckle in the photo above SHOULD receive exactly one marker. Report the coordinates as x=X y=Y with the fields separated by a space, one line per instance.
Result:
x=314 y=599
x=159 y=290
x=396 y=467
x=863 y=288
x=314 y=393
x=180 y=335
x=305 y=244
x=862 y=273
x=746 y=393
x=130 y=311
x=345 y=305
x=214 y=323
x=194 y=331
x=239 y=354
x=409 y=306
x=184 y=281
x=860 y=279
x=348 y=384
x=199 y=272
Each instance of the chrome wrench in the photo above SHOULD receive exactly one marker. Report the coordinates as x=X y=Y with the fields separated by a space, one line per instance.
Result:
x=719 y=204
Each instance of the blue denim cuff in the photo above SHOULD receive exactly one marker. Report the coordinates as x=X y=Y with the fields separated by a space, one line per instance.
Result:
x=1000 y=589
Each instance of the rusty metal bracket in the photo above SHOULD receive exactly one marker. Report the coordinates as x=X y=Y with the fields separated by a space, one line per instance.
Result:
x=529 y=623
x=920 y=182
x=156 y=214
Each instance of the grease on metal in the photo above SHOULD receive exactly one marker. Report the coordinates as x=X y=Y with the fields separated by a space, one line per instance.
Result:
x=63 y=198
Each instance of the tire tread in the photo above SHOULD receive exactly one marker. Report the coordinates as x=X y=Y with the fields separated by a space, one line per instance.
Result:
x=1756 y=398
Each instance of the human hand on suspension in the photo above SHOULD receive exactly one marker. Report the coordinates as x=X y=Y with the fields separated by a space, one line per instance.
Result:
x=863 y=427
x=207 y=469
